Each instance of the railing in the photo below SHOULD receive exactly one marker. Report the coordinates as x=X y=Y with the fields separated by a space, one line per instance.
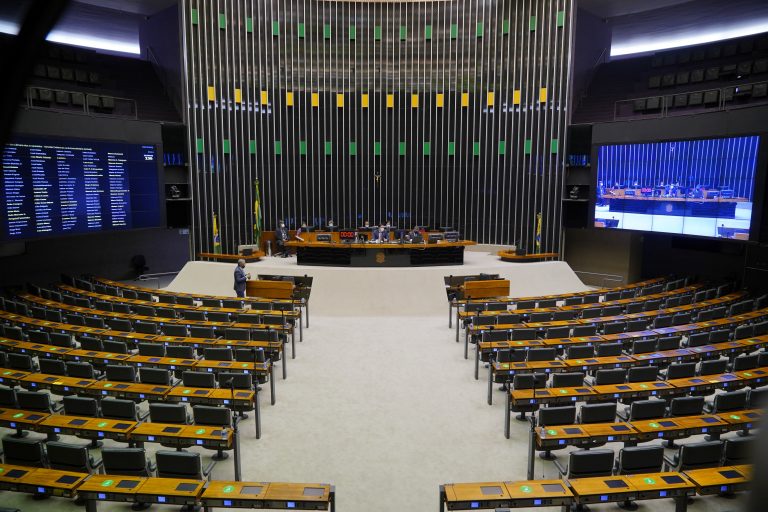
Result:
x=78 y=102
x=608 y=280
x=156 y=277
x=711 y=100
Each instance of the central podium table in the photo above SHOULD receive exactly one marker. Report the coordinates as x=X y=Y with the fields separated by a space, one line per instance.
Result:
x=343 y=254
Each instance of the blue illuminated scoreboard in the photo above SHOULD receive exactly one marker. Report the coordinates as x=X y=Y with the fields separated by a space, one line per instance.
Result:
x=55 y=187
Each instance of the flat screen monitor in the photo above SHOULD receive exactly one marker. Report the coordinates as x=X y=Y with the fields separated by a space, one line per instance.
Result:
x=54 y=187
x=700 y=187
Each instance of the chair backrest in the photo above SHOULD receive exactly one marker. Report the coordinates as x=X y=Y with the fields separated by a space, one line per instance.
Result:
x=510 y=355
x=567 y=380
x=700 y=455
x=662 y=321
x=159 y=376
x=744 y=331
x=218 y=354
x=523 y=334
x=609 y=349
x=199 y=331
x=180 y=351
x=185 y=465
x=525 y=304
x=573 y=301
x=542 y=354
x=34 y=401
x=60 y=339
x=547 y=303
x=526 y=380
x=39 y=337
x=643 y=346
x=580 y=351
x=144 y=310
x=168 y=413
x=175 y=330
x=23 y=452
x=758 y=398
x=81 y=406
x=21 y=362
x=589 y=463
x=263 y=335
x=652 y=305
x=643 y=374
x=635 y=307
x=8 y=398
x=719 y=336
x=250 y=355
x=610 y=376
x=116 y=347
x=146 y=327
x=249 y=318
x=591 y=312
x=80 y=370
x=686 y=406
x=551 y=416
x=121 y=373
x=125 y=461
x=496 y=306
x=598 y=413
x=681 y=318
x=545 y=316
x=730 y=401
x=186 y=301
x=647 y=409
x=69 y=457
x=211 y=303
x=558 y=332
x=738 y=451
x=152 y=349
x=611 y=296
x=218 y=316
x=668 y=343
x=681 y=370
x=208 y=415
x=745 y=362
x=94 y=321
x=199 y=379
x=495 y=335
x=54 y=316
x=614 y=327
x=592 y=298
x=119 y=409
x=640 y=459
x=165 y=312
x=584 y=330
x=713 y=366
x=120 y=324
x=232 y=304
x=611 y=311
x=238 y=380
x=639 y=324
x=52 y=366
x=89 y=343
x=476 y=321
x=166 y=299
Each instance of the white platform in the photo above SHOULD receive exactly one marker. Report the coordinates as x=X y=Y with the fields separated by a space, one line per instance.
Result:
x=344 y=291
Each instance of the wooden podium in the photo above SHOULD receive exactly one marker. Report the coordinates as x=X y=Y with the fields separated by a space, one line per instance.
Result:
x=485 y=289
x=269 y=289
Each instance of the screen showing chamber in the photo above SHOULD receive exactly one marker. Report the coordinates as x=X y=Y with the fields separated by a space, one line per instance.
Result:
x=55 y=187
x=691 y=187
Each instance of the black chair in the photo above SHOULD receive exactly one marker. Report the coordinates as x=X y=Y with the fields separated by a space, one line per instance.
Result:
x=177 y=330
x=744 y=331
x=744 y=362
x=540 y=317
x=166 y=299
x=152 y=349
x=611 y=311
x=218 y=316
x=90 y=343
x=614 y=327
x=218 y=354
x=116 y=347
x=120 y=373
x=180 y=351
x=553 y=416
x=169 y=413
x=495 y=335
x=71 y=457
x=523 y=334
x=238 y=381
x=61 y=339
x=118 y=409
x=199 y=379
x=643 y=374
x=81 y=370
x=738 y=451
x=652 y=305
x=146 y=327
x=681 y=371
x=249 y=318
x=542 y=354
x=54 y=316
x=558 y=332
x=232 y=304
x=24 y=452
x=165 y=313
x=23 y=362
x=510 y=355
x=8 y=398
x=588 y=463
x=81 y=406
x=597 y=413
x=643 y=346
x=662 y=321
x=159 y=376
x=182 y=465
x=126 y=461
x=725 y=402
x=573 y=301
x=120 y=324
x=610 y=376
x=185 y=301
x=611 y=296
x=525 y=304
x=637 y=325
x=211 y=303
x=527 y=381
x=96 y=322
x=668 y=343
x=637 y=460
x=39 y=337
x=584 y=330
x=198 y=331
x=609 y=349
x=52 y=366
x=681 y=318
x=686 y=406
x=707 y=454
x=713 y=366
x=567 y=380
x=758 y=398
x=580 y=352
x=635 y=307
x=719 y=336
x=194 y=315
x=591 y=313
x=144 y=310
x=644 y=410
x=547 y=303
x=214 y=416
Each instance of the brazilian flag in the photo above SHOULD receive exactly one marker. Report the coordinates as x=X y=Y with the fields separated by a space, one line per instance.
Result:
x=257 y=220
x=216 y=236
x=538 y=232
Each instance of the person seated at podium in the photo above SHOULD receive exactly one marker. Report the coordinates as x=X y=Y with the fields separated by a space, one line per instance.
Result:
x=380 y=235
x=299 y=231
x=281 y=236
x=241 y=276
x=414 y=236
x=331 y=226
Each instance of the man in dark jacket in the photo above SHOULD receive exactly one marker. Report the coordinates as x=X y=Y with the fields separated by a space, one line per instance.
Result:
x=240 y=278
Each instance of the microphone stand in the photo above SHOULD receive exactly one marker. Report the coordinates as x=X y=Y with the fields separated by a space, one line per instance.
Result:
x=256 y=412
x=235 y=432
x=532 y=435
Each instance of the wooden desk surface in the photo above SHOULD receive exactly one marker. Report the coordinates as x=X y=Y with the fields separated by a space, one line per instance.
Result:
x=231 y=258
x=608 y=486
x=661 y=482
x=192 y=433
x=386 y=245
x=512 y=256
x=65 y=482
x=12 y=474
x=155 y=488
x=476 y=491
x=711 y=480
x=113 y=485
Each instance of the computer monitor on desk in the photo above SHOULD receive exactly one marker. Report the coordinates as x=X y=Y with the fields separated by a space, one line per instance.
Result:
x=434 y=238
x=323 y=237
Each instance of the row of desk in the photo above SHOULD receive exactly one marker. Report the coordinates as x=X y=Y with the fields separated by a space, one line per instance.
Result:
x=631 y=390
x=166 y=491
x=298 y=303
x=274 y=349
x=583 y=491
x=168 y=363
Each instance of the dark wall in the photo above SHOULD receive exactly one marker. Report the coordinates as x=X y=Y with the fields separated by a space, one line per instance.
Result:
x=592 y=46
x=106 y=254
x=486 y=166
x=159 y=36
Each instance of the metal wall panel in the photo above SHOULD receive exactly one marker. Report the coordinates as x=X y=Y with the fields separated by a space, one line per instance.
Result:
x=378 y=111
